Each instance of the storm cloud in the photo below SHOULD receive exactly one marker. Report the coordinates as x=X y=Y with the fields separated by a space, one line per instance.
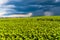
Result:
x=37 y=7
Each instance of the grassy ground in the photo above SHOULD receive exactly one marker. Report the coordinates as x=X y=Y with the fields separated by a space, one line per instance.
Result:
x=34 y=28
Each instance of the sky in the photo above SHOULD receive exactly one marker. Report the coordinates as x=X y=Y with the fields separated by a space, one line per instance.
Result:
x=36 y=7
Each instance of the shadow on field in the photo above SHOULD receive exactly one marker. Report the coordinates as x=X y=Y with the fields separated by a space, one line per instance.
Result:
x=46 y=19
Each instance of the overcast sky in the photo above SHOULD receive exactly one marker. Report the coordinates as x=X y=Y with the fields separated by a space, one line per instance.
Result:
x=26 y=6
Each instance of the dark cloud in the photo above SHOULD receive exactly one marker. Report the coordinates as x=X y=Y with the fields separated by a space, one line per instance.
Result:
x=37 y=7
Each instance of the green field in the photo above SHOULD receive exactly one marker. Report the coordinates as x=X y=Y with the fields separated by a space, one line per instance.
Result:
x=34 y=28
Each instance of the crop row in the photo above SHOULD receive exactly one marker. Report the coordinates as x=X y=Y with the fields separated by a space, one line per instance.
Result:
x=29 y=29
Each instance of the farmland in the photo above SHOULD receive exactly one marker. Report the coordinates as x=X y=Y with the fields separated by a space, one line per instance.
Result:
x=34 y=28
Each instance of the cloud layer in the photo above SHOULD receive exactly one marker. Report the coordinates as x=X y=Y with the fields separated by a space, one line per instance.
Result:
x=3 y=1
x=37 y=7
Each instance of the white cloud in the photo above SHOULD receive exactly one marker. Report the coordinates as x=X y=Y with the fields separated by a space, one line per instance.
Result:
x=39 y=6
x=47 y=13
x=10 y=6
x=7 y=6
x=3 y=1
x=2 y=13
x=57 y=0
x=19 y=15
x=5 y=9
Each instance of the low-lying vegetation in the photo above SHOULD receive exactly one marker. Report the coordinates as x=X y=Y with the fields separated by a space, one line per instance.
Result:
x=34 y=28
